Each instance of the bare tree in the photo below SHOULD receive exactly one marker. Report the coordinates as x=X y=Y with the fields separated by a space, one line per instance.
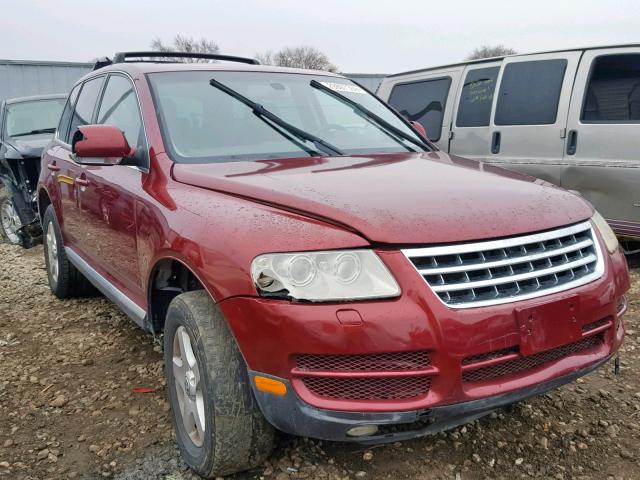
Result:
x=187 y=44
x=487 y=51
x=299 y=57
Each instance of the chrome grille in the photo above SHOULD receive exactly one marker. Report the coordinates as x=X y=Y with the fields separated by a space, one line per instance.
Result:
x=500 y=271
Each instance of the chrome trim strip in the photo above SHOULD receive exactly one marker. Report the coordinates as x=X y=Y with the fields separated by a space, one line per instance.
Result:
x=510 y=242
x=515 y=278
x=495 y=244
x=127 y=305
x=508 y=261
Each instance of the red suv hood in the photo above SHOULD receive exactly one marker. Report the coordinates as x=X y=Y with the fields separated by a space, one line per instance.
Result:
x=400 y=198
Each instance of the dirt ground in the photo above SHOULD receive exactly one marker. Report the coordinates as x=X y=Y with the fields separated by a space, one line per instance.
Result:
x=69 y=408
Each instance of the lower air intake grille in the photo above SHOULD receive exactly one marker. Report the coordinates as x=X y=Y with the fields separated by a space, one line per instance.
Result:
x=381 y=362
x=386 y=388
x=525 y=363
x=501 y=271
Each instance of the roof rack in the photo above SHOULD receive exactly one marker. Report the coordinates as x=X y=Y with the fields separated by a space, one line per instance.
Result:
x=121 y=57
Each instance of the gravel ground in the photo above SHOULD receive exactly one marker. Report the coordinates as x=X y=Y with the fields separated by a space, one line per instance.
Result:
x=69 y=408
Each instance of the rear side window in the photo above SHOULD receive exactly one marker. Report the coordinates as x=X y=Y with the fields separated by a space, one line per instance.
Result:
x=476 y=99
x=613 y=91
x=423 y=102
x=85 y=105
x=530 y=92
x=65 y=118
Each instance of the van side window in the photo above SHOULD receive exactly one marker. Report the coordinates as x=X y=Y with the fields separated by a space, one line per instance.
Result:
x=65 y=118
x=83 y=112
x=530 y=92
x=423 y=102
x=613 y=91
x=476 y=99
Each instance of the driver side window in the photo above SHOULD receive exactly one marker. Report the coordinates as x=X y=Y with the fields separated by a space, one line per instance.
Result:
x=119 y=107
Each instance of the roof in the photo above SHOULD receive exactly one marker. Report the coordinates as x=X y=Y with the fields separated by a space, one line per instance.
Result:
x=34 y=98
x=46 y=63
x=495 y=59
x=154 y=67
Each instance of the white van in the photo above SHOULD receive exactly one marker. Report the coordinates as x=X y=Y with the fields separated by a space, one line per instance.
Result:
x=571 y=117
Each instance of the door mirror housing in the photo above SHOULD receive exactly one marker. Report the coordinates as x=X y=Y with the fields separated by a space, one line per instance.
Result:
x=100 y=145
x=420 y=129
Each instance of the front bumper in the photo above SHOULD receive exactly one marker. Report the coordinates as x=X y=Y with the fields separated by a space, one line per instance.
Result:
x=291 y=415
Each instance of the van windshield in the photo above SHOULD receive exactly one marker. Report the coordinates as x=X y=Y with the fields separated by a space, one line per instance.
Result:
x=204 y=124
x=33 y=117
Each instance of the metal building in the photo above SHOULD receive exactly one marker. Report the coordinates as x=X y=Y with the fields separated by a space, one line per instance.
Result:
x=369 y=80
x=20 y=78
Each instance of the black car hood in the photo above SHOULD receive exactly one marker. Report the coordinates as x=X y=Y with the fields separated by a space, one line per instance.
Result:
x=27 y=146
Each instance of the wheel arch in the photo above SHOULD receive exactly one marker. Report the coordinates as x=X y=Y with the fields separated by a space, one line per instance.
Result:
x=169 y=277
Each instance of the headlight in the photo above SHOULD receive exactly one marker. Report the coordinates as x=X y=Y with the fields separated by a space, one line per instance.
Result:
x=324 y=276
x=610 y=239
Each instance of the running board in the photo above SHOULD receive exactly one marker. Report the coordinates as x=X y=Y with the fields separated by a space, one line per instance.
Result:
x=125 y=304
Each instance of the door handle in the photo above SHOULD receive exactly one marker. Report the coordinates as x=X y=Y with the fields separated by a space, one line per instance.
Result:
x=495 y=142
x=82 y=181
x=572 y=142
x=53 y=167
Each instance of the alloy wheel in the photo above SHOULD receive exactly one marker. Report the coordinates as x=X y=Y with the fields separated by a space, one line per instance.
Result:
x=10 y=222
x=186 y=374
x=52 y=252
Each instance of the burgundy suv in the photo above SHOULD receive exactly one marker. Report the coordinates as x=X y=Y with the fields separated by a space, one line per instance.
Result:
x=314 y=263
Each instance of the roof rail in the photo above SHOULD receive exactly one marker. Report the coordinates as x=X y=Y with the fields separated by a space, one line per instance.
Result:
x=122 y=57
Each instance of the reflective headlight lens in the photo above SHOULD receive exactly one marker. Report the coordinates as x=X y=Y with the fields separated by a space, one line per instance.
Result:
x=610 y=239
x=324 y=276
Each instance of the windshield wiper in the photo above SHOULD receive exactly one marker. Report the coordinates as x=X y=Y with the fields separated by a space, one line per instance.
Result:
x=263 y=113
x=368 y=113
x=35 y=132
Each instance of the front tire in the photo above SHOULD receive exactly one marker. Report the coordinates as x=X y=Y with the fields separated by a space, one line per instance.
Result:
x=219 y=428
x=10 y=222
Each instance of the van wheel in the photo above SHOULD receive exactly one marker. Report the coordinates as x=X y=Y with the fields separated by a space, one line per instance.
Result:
x=10 y=222
x=65 y=281
x=219 y=428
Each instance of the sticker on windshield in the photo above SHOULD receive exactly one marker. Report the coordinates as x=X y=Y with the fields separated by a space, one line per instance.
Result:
x=343 y=87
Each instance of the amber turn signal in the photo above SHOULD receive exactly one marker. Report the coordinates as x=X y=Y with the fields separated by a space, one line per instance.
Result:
x=269 y=385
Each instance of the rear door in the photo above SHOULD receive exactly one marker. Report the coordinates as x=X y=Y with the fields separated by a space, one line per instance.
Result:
x=530 y=113
x=470 y=129
x=603 y=146
x=62 y=162
x=425 y=98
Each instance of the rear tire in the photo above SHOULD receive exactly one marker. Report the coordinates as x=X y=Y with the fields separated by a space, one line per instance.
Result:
x=219 y=428
x=65 y=280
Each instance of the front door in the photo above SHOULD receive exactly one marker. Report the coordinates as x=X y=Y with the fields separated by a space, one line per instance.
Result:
x=602 y=154
x=111 y=192
x=530 y=113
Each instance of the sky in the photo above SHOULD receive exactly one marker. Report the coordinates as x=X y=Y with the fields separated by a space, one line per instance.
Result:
x=358 y=36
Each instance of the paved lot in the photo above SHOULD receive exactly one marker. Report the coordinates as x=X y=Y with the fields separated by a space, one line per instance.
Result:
x=68 y=408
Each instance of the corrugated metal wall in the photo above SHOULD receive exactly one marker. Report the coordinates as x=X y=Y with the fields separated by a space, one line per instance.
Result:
x=23 y=78
x=369 y=80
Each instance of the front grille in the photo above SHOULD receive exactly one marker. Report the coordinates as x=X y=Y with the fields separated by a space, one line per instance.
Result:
x=382 y=362
x=481 y=357
x=500 y=271
x=526 y=363
x=385 y=388
x=597 y=324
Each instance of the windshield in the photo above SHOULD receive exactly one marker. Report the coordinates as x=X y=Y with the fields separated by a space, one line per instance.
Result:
x=32 y=117
x=201 y=123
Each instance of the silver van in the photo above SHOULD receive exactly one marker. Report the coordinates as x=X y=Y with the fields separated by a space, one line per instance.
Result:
x=571 y=117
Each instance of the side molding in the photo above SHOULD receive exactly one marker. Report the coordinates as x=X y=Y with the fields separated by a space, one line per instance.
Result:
x=125 y=304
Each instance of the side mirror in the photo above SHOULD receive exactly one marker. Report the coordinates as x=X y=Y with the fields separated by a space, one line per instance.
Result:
x=420 y=129
x=104 y=142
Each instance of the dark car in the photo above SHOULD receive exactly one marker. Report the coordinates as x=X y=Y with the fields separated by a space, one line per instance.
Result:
x=313 y=263
x=28 y=123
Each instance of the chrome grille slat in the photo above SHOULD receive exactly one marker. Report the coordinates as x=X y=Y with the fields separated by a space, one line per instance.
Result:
x=523 y=276
x=500 y=271
x=507 y=262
